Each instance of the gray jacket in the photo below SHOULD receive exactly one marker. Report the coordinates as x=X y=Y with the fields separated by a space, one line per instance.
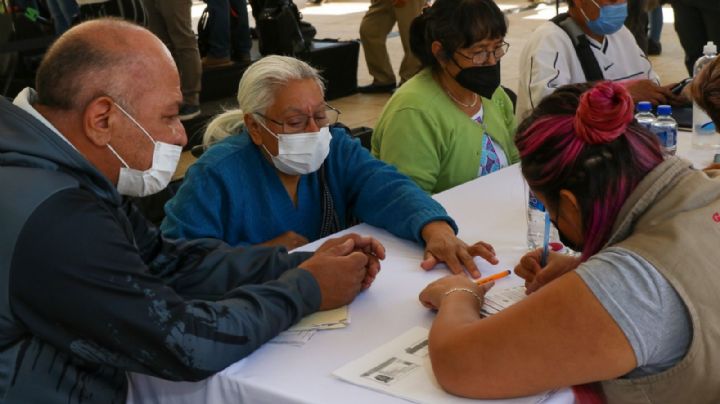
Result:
x=90 y=290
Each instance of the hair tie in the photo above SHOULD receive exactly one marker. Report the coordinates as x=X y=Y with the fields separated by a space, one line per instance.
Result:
x=603 y=114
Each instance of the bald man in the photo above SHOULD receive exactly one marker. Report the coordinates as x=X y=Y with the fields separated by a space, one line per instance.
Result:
x=90 y=290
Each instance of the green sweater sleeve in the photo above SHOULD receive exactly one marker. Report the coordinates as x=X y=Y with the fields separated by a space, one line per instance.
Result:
x=415 y=147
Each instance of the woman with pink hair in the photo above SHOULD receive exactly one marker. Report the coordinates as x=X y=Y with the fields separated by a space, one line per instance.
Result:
x=634 y=319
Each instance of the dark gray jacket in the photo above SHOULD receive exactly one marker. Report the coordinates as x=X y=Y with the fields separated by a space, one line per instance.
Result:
x=90 y=290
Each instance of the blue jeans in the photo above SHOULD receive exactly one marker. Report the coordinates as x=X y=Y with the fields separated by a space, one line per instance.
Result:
x=219 y=41
x=63 y=13
x=655 y=23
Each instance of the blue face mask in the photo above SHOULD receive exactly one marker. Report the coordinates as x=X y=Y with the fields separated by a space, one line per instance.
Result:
x=611 y=18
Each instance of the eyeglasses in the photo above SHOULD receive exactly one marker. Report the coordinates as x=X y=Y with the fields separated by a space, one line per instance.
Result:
x=479 y=58
x=298 y=123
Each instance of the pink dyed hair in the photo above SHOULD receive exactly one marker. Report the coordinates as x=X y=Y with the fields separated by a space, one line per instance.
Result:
x=588 y=143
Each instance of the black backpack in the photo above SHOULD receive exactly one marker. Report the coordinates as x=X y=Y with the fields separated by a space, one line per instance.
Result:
x=22 y=20
x=203 y=32
x=280 y=29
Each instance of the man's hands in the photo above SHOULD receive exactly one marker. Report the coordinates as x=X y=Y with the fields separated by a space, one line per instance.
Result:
x=648 y=90
x=441 y=245
x=535 y=276
x=343 y=267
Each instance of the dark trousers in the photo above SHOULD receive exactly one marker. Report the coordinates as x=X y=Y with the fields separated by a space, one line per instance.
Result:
x=63 y=13
x=637 y=22
x=219 y=39
x=695 y=26
x=171 y=21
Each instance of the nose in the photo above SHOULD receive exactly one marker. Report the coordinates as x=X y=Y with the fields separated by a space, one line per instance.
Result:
x=312 y=126
x=491 y=59
x=179 y=135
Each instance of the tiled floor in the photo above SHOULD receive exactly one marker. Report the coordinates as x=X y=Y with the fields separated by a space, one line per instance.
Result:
x=340 y=19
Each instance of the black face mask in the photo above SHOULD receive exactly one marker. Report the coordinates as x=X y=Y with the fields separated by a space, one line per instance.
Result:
x=483 y=80
x=569 y=244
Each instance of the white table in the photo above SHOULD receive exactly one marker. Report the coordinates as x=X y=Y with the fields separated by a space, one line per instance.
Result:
x=700 y=158
x=491 y=208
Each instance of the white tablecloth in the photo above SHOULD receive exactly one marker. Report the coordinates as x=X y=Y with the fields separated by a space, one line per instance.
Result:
x=491 y=208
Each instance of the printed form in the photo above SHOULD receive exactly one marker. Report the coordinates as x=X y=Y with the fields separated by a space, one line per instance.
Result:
x=402 y=367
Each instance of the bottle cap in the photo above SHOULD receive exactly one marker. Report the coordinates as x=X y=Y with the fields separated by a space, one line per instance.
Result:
x=644 y=106
x=710 y=48
x=664 y=110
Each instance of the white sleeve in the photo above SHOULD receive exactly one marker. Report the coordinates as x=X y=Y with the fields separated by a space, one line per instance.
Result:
x=547 y=62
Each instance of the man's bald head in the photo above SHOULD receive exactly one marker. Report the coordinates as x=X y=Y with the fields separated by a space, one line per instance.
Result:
x=96 y=58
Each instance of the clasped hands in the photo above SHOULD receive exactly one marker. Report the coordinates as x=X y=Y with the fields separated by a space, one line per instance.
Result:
x=343 y=267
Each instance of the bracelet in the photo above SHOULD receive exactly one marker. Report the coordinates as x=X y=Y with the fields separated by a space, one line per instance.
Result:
x=472 y=292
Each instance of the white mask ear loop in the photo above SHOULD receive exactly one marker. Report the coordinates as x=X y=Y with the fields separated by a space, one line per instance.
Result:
x=118 y=156
x=583 y=11
x=272 y=133
x=268 y=129
x=137 y=124
x=130 y=117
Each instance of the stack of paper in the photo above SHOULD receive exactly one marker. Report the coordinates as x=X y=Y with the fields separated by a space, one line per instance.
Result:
x=324 y=320
x=496 y=300
x=301 y=332
x=295 y=338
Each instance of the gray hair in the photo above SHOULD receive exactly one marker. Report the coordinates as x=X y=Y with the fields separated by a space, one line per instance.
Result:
x=257 y=90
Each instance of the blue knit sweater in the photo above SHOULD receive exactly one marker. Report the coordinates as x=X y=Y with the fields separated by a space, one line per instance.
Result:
x=233 y=193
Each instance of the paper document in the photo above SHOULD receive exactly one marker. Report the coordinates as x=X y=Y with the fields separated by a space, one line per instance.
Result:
x=295 y=338
x=497 y=300
x=324 y=320
x=402 y=368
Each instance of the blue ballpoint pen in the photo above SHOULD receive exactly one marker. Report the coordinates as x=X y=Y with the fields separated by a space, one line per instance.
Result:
x=546 y=241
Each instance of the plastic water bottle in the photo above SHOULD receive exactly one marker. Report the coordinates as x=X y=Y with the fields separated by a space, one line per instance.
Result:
x=704 y=135
x=535 y=222
x=644 y=115
x=665 y=128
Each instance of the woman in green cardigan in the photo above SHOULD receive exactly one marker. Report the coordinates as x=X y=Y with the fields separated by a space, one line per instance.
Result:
x=452 y=122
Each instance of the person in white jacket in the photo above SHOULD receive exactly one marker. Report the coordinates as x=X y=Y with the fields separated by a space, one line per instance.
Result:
x=550 y=60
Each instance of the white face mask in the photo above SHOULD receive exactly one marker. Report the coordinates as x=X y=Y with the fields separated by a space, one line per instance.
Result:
x=134 y=182
x=300 y=153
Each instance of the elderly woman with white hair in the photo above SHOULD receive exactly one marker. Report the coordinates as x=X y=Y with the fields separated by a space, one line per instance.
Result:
x=279 y=173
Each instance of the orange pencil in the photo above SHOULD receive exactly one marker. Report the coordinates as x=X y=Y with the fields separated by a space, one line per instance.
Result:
x=493 y=277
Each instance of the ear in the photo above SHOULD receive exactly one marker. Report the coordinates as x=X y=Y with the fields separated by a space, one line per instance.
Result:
x=570 y=206
x=98 y=121
x=254 y=129
x=438 y=51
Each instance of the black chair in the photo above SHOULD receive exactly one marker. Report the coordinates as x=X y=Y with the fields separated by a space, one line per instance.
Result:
x=512 y=95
